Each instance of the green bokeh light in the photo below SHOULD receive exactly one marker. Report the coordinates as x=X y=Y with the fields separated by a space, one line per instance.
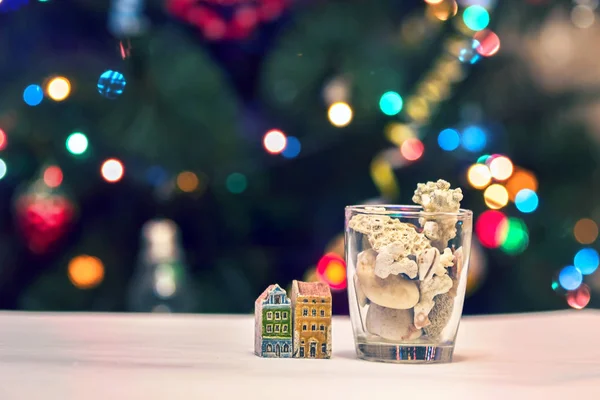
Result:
x=391 y=103
x=77 y=143
x=236 y=183
x=517 y=237
x=3 y=168
x=483 y=159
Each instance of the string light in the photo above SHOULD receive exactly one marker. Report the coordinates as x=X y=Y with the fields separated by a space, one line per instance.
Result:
x=3 y=140
x=86 y=272
x=443 y=9
x=59 y=88
x=491 y=228
x=397 y=133
x=514 y=236
x=390 y=103
x=236 y=183
x=526 y=201
x=412 y=149
x=340 y=114
x=417 y=108
x=479 y=176
x=331 y=269
x=448 y=140
x=292 y=148
x=489 y=43
x=495 y=196
x=580 y=297
x=111 y=84
x=77 y=143
x=473 y=139
x=112 y=170
x=33 y=95
x=520 y=180
x=476 y=17
x=585 y=231
x=274 y=141
x=570 y=278
x=53 y=176
x=501 y=168
x=586 y=260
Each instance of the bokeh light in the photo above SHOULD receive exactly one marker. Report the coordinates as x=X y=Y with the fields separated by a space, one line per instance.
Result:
x=483 y=159
x=340 y=114
x=412 y=149
x=59 y=88
x=53 y=176
x=86 y=272
x=331 y=269
x=501 y=168
x=488 y=43
x=417 y=108
x=77 y=143
x=292 y=148
x=495 y=196
x=526 y=201
x=479 y=176
x=443 y=9
x=473 y=139
x=468 y=54
x=398 y=133
x=187 y=181
x=570 y=278
x=112 y=170
x=585 y=231
x=476 y=17
x=236 y=183
x=580 y=297
x=391 y=103
x=3 y=140
x=586 y=260
x=491 y=228
x=3 y=168
x=111 y=84
x=33 y=95
x=514 y=236
x=449 y=140
x=274 y=141
x=582 y=16
x=520 y=179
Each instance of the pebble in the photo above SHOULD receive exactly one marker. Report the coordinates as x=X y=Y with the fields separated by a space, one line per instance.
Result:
x=391 y=324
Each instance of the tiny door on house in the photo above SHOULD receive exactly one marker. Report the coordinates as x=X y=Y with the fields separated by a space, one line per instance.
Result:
x=313 y=349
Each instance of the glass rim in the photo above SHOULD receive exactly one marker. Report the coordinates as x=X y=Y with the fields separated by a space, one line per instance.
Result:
x=408 y=210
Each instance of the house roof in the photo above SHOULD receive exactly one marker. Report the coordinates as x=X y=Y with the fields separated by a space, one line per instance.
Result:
x=313 y=289
x=264 y=294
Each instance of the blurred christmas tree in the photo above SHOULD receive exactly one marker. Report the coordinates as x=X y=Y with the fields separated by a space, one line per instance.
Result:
x=168 y=113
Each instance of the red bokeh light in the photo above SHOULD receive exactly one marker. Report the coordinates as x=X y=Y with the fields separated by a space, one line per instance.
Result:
x=53 y=176
x=3 y=140
x=331 y=269
x=491 y=228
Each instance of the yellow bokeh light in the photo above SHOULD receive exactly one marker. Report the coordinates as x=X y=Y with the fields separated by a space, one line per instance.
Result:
x=495 y=196
x=384 y=178
x=340 y=114
x=442 y=10
x=479 y=176
x=586 y=231
x=58 y=88
x=187 y=181
x=397 y=133
x=335 y=272
x=521 y=179
x=417 y=108
x=501 y=168
x=86 y=272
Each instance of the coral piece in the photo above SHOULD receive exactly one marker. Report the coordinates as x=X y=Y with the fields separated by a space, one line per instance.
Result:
x=385 y=265
x=312 y=319
x=391 y=324
x=428 y=290
x=438 y=197
x=425 y=260
x=273 y=323
x=383 y=230
x=440 y=315
x=392 y=292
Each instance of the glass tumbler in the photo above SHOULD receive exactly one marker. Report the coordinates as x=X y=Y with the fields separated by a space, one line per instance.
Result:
x=407 y=275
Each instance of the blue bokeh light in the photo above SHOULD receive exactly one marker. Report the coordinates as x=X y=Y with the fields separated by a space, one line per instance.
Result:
x=473 y=138
x=33 y=95
x=3 y=168
x=469 y=54
x=526 y=200
x=111 y=84
x=587 y=260
x=476 y=17
x=292 y=148
x=570 y=278
x=449 y=140
x=156 y=175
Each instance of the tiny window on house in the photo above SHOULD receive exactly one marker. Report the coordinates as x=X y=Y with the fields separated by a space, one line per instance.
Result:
x=269 y=328
x=277 y=315
x=304 y=327
x=306 y=300
x=322 y=327
x=322 y=313
x=314 y=327
x=305 y=311
x=285 y=328
x=314 y=301
x=314 y=312
x=277 y=328
x=270 y=315
x=322 y=300
x=324 y=348
x=284 y=315
x=277 y=299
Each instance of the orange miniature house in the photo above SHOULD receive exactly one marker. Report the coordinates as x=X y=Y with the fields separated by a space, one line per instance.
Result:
x=311 y=313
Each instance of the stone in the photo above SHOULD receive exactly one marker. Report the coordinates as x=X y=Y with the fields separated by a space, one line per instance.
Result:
x=391 y=324
x=440 y=315
x=392 y=292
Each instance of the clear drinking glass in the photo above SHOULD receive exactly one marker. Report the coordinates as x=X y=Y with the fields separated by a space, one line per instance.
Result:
x=407 y=275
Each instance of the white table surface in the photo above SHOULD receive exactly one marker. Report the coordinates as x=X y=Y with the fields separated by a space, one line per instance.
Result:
x=100 y=356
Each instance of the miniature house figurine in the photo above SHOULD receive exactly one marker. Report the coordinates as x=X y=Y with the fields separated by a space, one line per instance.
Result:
x=273 y=323
x=311 y=313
